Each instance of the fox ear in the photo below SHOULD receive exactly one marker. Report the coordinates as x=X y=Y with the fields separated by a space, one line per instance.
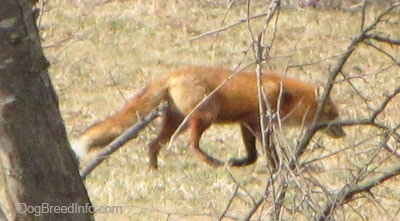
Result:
x=318 y=92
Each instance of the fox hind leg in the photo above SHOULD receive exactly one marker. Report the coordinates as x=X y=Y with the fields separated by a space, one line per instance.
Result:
x=171 y=122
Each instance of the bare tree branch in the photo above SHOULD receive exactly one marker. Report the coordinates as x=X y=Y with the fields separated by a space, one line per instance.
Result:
x=363 y=187
x=3 y=215
x=205 y=99
x=129 y=134
x=385 y=103
x=229 y=203
x=228 y=26
x=261 y=52
x=383 y=52
x=331 y=80
x=254 y=209
x=369 y=121
x=383 y=39
x=333 y=201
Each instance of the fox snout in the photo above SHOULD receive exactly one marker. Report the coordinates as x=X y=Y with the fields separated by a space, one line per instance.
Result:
x=335 y=131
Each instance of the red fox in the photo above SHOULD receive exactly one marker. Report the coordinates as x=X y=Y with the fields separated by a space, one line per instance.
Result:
x=235 y=102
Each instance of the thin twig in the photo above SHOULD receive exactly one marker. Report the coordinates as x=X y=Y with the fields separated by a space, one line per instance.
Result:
x=229 y=203
x=384 y=104
x=383 y=39
x=129 y=134
x=383 y=52
x=363 y=187
x=369 y=121
x=227 y=26
x=261 y=54
x=2 y=215
x=364 y=7
x=222 y=22
x=205 y=99
x=254 y=208
x=330 y=82
x=386 y=146
x=349 y=190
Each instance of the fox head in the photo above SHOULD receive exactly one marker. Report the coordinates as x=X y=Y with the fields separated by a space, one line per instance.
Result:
x=299 y=106
x=329 y=114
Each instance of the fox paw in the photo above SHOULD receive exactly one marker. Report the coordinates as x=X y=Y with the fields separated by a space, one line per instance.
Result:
x=234 y=162
x=214 y=162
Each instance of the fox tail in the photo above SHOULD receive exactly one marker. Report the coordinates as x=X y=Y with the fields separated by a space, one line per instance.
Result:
x=102 y=133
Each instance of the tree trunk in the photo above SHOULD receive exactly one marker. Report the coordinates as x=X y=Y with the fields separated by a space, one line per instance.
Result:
x=41 y=176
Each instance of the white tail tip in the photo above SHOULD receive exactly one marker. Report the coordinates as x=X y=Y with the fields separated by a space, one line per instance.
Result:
x=79 y=147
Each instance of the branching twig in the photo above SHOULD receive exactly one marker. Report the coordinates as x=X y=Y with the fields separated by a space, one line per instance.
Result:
x=229 y=203
x=392 y=134
x=383 y=39
x=369 y=121
x=131 y=133
x=205 y=99
x=332 y=205
x=223 y=21
x=228 y=26
x=2 y=215
x=254 y=208
x=363 y=187
x=385 y=103
x=331 y=80
x=272 y=179
x=261 y=54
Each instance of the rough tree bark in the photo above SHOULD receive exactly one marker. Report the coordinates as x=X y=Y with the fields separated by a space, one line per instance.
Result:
x=38 y=166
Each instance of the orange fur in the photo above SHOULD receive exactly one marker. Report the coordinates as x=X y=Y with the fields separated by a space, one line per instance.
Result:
x=235 y=102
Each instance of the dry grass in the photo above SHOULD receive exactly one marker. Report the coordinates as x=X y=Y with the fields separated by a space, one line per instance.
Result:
x=102 y=53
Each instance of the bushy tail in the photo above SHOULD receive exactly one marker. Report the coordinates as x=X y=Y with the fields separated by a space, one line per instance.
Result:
x=106 y=131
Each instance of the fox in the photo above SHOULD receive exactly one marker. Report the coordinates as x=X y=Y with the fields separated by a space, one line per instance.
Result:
x=235 y=101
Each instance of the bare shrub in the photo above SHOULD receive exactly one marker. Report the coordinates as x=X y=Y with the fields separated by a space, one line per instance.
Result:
x=295 y=190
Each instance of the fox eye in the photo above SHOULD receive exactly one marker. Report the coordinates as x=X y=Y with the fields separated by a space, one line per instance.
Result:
x=286 y=96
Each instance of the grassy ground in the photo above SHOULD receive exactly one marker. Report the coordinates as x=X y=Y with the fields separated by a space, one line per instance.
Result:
x=102 y=53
